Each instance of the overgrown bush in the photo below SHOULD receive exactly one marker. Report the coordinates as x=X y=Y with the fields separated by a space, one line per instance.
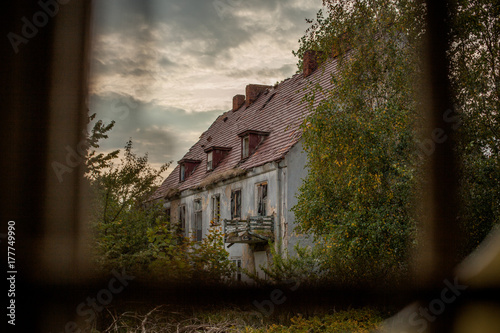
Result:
x=130 y=231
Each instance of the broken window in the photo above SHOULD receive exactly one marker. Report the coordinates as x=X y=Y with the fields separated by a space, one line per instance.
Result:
x=197 y=220
x=245 y=146
x=261 y=199
x=236 y=204
x=215 y=216
x=182 y=220
x=209 y=161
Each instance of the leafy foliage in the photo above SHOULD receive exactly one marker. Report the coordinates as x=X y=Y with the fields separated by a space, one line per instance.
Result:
x=119 y=217
x=206 y=261
x=303 y=266
x=475 y=61
x=356 y=320
x=359 y=197
x=361 y=139
x=129 y=231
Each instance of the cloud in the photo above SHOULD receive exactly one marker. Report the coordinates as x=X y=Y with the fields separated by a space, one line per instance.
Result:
x=164 y=133
x=164 y=70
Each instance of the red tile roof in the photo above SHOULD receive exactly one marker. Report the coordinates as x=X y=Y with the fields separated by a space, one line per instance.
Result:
x=278 y=110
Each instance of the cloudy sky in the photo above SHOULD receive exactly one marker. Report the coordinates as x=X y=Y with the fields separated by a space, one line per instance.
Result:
x=165 y=69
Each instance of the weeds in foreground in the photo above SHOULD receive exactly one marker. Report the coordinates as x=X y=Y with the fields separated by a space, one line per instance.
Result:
x=167 y=319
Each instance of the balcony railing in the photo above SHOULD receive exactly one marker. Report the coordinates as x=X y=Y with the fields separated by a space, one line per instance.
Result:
x=256 y=229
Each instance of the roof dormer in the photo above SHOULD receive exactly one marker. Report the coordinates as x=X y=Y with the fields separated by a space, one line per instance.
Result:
x=250 y=140
x=215 y=155
x=186 y=168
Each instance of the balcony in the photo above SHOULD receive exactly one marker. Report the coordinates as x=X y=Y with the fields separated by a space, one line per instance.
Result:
x=257 y=229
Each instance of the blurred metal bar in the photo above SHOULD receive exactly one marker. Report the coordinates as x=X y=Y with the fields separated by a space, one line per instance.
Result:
x=441 y=229
x=441 y=226
x=43 y=68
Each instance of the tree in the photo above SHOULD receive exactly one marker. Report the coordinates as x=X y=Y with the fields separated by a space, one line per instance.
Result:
x=131 y=231
x=363 y=183
x=118 y=193
x=361 y=139
x=475 y=68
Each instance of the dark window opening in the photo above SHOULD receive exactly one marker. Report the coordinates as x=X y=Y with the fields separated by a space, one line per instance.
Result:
x=198 y=220
x=236 y=204
x=182 y=220
x=167 y=215
x=261 y=199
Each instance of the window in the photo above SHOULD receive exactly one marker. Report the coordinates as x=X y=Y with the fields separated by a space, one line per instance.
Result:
x=167 y=215
x=209 y=161
x=215 y=154
x=237 y=273
x=197 y=220
x=182 y=172
x=182 y=220
x=261 y=199
x=250 y=141
x=215 y=216
x=187 y=167
x=245 y=147
x=236 y=204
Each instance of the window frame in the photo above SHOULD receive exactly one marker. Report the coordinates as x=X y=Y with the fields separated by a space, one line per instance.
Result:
x=245 y=146
x=210 y=159
x=182 y=172
x=197 y=226
x=237 y=273
x=182 y=219
x=261 y=202
x=168 y=214
x=236 y=204
x=215 y=212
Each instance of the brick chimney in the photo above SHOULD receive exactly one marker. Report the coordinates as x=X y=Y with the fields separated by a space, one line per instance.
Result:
x=310 y=62
x=253 y=91
x=238 y=101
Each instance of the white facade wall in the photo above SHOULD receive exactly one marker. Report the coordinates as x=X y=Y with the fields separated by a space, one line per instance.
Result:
x=283 y=180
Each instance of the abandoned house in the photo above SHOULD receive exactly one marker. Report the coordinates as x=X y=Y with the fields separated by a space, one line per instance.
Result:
x=245 y=170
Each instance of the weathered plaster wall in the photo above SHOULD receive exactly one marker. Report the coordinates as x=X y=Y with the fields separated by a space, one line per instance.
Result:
x=248 y=186
x=296 y=171
x=283 y=181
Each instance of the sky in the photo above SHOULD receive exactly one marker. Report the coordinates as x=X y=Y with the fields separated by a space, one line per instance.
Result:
x=163 y=70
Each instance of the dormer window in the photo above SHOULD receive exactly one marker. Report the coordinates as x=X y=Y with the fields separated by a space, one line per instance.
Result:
x=215 y=155
x=209 y=160
x=250 y=140
x=186 y=168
